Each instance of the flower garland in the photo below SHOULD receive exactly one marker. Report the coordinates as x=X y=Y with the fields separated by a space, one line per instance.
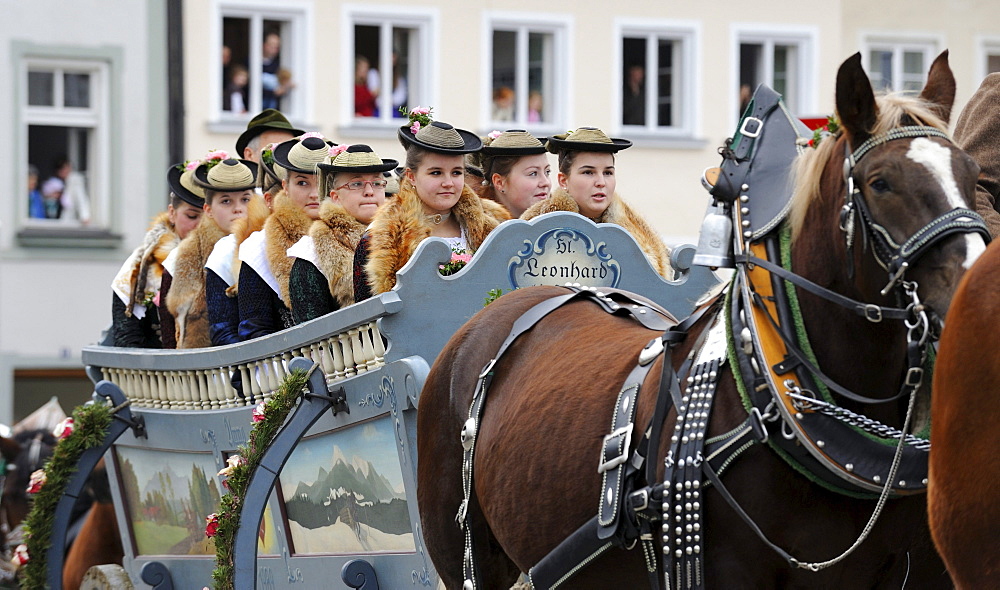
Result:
x=459 y=258
x=418 y=117
x=831 y=128
x=86 y=429
x=268 y=418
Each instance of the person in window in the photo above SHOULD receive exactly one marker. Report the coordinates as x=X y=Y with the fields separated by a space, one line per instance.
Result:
x=587 y=186
x=503 y=104
x=270 y=64
x=400 y=89
x=236 y=89
x=228 y=185
x=36 y=204
x=535 y=106
x=322 y=277
x=634 y=96
x=65 y=193
x=978 y=133
x=433 y=200
x=516 y=170
x=267 y=127
x=135 y=321
x=364 y=101
x=263 y=298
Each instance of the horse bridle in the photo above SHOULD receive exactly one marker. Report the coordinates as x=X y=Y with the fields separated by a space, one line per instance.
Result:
x=892 y=256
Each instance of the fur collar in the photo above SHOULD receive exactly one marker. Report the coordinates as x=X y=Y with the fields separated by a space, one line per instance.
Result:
x=285 y=226
x=144 y=268
x=335 y=236
x=400 y=225
x=257 y=214
x=618 y=213
x=186 y=299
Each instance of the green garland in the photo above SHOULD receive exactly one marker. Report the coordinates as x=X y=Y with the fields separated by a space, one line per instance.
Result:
x=91 y=424
x=261 y=434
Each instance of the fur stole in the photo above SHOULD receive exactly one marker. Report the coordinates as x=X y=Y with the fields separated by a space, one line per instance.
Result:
x=400 y=225
x=257 y=213
x=286 y=225
x=141 y=273
x=618 y=213
x=186 y=299
x=335 y=236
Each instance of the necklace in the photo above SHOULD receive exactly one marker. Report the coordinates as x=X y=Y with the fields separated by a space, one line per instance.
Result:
x=438 y=218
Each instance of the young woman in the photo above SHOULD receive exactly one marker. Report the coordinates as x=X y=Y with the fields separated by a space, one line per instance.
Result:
x=264 y=272
x=433 y=200
x=134 y=308
x=322 y=277
x=516 y=169
x=228 y=185
x=587 y=186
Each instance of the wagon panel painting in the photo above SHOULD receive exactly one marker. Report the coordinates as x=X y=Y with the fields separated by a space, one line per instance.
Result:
x=343 y=492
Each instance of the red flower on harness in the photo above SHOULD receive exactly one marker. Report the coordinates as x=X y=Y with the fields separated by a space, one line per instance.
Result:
x=21 y=556
x=64 y=429
x=211 y=525
x=38 y=479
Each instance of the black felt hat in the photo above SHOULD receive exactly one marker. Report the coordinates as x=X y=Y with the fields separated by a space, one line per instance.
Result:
x=441 y=138
x=229 y=175
x=586 y=139
x=302 y=154
x=183 y=184
x=357 y=158
x=266 y=120
x=513 y=142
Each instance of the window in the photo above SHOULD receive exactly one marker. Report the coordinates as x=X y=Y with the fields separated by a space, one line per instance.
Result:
x=65 y=117
x=526 y=69
x=898 y=66
x=989 y=52
x=656 y=78
x=263 y=61
x=386 y=63
x=776 y=63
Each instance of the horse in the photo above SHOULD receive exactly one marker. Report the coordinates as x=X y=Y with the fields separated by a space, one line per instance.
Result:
x=554 y=390
x=25 y=453
x=98 y=541
x=963 y=506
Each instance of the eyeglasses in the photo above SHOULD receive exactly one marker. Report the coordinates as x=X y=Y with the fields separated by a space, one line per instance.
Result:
x=357 y=185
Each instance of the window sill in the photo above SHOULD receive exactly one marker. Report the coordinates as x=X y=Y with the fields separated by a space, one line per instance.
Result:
x=68 y=237
x=371 y=128
x=234 y=126
x=662 y=141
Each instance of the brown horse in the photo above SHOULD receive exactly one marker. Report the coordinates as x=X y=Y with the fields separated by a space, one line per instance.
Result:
x=25 y=452
x=99 y=541
x=964 y=467
x=553 y=392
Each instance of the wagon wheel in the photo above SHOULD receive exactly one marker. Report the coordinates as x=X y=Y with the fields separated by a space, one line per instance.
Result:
x=106 y=577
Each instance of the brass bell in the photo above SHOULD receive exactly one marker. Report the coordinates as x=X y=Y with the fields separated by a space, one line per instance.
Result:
x=715 y=242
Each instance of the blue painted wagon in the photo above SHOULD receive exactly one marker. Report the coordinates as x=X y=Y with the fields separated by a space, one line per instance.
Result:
x=333 y=501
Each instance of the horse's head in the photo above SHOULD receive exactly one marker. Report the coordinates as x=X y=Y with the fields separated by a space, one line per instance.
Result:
x=902 y=189
x=31 y=450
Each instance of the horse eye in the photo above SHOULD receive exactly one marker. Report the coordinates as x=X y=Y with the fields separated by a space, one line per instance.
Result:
x=879 y=185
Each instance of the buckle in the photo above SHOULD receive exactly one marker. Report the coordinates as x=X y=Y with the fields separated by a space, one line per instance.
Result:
x=914 y=377
x=751 y=127
x=622 y=457
x=639 y=500
x=757 y=425
x=650 y=352
x=873 y=313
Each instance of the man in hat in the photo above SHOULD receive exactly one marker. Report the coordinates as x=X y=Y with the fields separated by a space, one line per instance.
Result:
x=268 y=127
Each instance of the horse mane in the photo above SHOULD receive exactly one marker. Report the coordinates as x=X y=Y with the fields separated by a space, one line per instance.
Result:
x=895 y=110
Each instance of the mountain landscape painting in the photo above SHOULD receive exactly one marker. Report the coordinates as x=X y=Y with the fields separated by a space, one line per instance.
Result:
x=343 y=492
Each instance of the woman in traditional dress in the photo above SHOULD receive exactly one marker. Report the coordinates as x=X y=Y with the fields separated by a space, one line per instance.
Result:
x=516 y=170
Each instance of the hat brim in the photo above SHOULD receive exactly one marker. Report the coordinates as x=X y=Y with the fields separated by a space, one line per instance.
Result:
x=281 y=156
x=471 y=142
x=515 y=151
x=385 y=166
x=555 y=145
x=174 y=181
x=201 y=177
x=244 y=139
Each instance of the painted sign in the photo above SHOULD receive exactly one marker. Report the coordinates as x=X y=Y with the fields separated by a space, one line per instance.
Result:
x=563 y=255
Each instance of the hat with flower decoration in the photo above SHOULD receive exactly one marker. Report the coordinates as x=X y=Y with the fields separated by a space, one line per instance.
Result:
x=513 y=142
x=303 y=153
x=228 y=175
x=355 y=158
x=586 y=139
x=180 y=178
x=435 y=136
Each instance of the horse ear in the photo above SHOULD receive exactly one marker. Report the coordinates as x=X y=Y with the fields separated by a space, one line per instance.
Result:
x=940 y=89
x=856 y=106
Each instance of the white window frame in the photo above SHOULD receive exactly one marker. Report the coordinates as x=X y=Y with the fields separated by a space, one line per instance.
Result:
x=523 y=23
x=96 y=117
x=686 y=85
x=387 y=18
x=296 y=56
x=986 y=46
x=897 y=44
x=806 y=39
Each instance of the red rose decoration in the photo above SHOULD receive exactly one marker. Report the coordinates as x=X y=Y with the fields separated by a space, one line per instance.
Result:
x=211 y=525
x=63 y=429
x=21 y=556
x=38 y=479
x=258 y=413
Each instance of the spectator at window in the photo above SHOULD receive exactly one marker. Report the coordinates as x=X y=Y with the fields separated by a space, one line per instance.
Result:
x=535 y=105
x=36 y=204
x=236 y=89
x=400 y=91
x=503 y=104
x=272 y=90
x=634 y=96
x=364 y=102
